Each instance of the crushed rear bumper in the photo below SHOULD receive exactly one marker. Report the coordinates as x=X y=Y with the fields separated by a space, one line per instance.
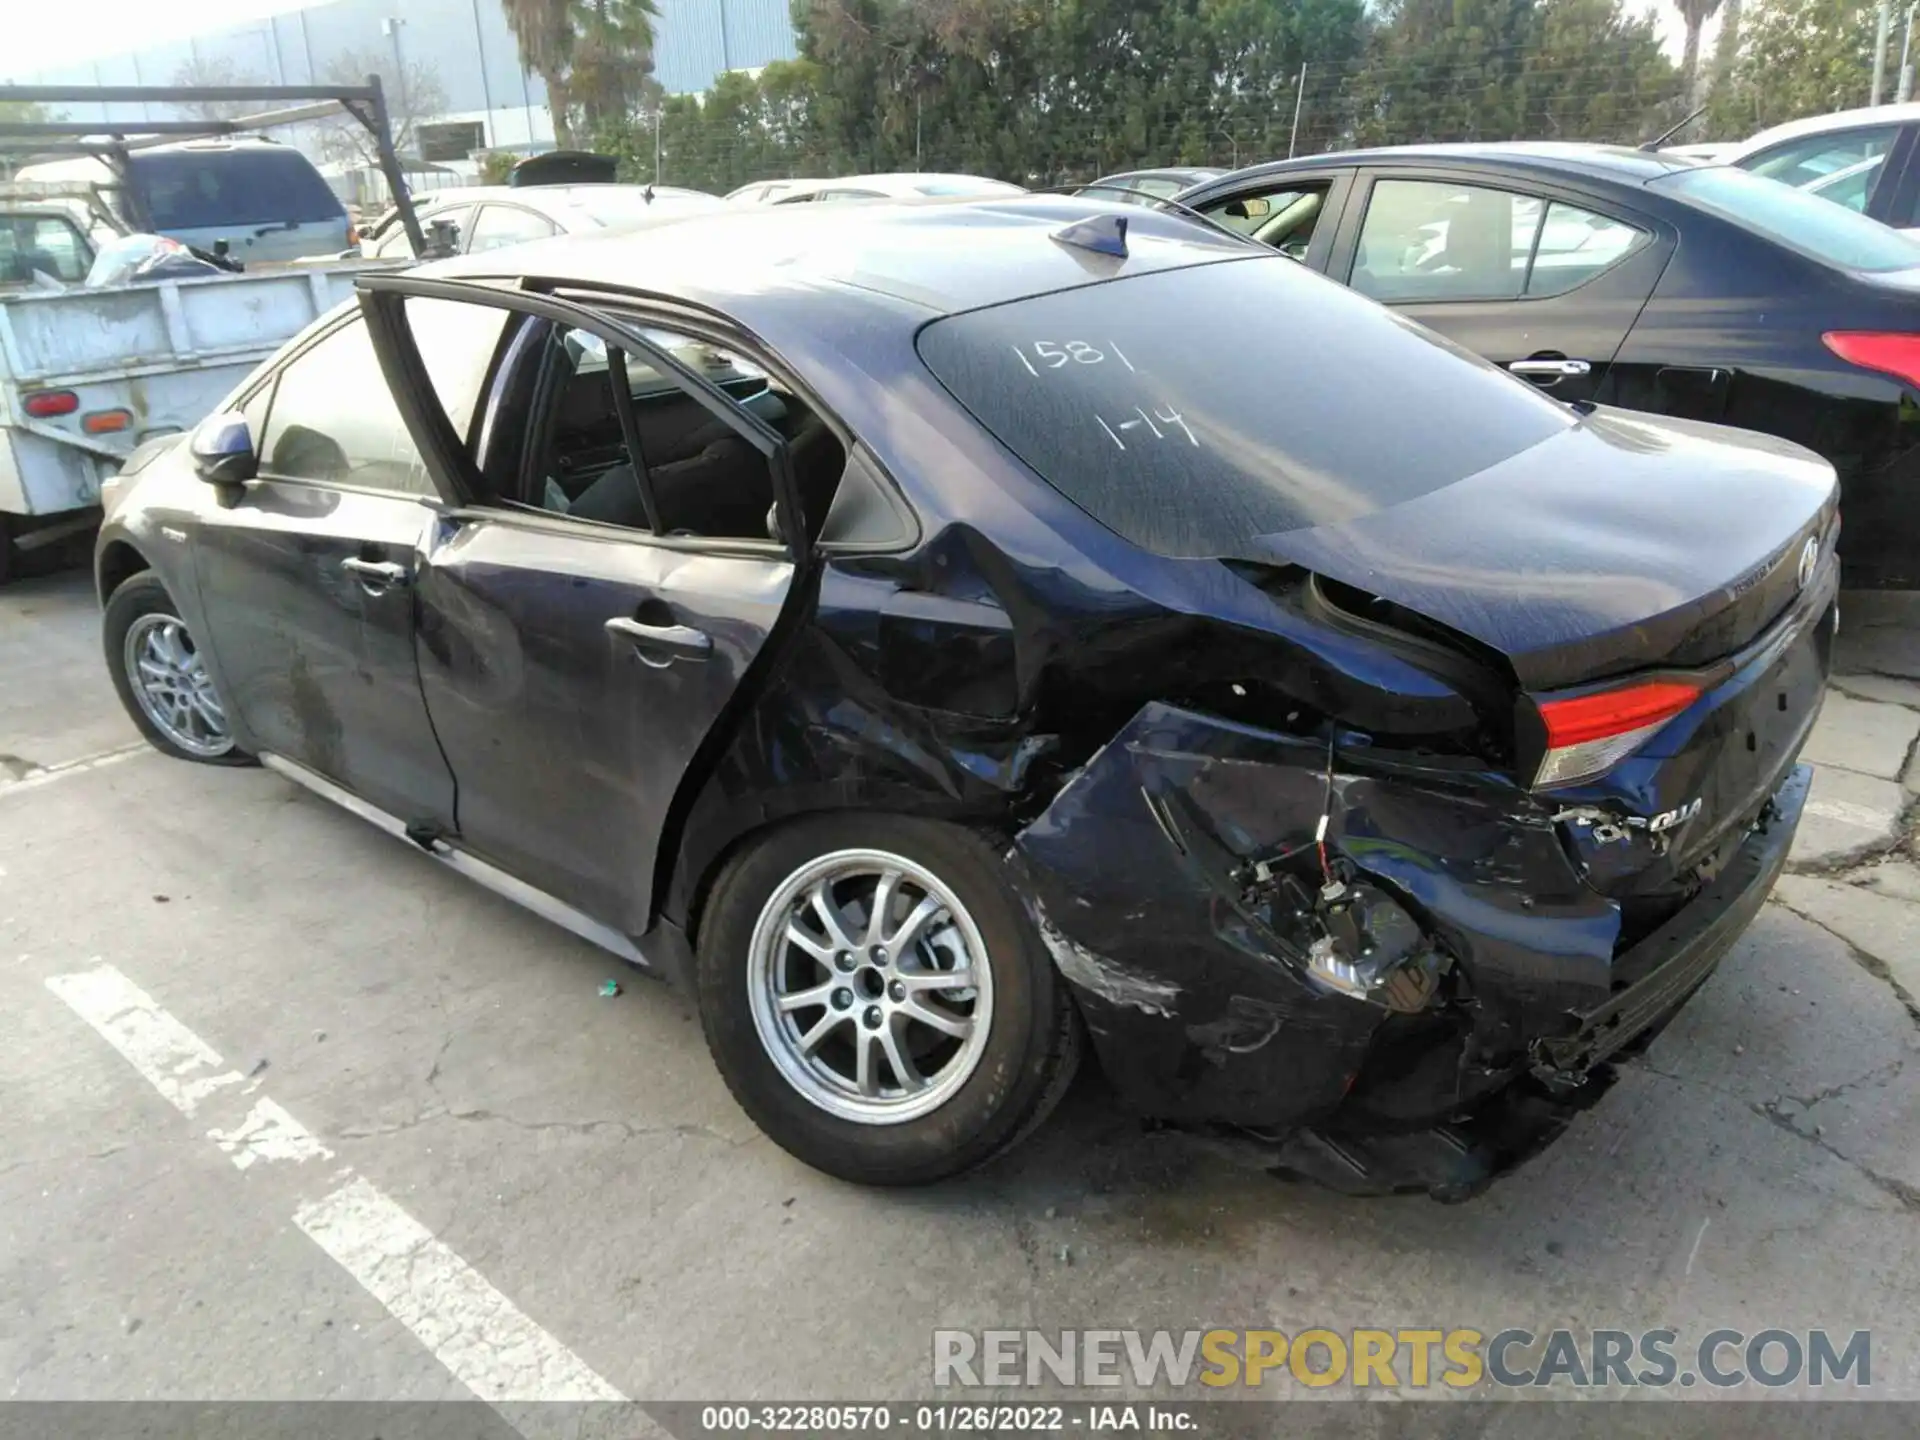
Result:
x=1199 y=993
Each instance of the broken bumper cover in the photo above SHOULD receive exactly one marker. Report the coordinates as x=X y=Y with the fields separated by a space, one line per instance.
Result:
x=1204 y=1011
x=1678 y=957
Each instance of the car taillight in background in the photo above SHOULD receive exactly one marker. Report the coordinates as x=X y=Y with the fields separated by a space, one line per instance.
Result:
x=49 y=404
x=1887 y=352
x=1587 y=735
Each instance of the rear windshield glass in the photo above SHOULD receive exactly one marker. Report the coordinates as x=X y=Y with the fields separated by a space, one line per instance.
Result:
x=1808 y=223
x=1195 y=410
x=201 y=189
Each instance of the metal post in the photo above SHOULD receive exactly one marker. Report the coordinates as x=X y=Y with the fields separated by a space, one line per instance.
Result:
x=486 y=87
x=1905 y=92
x=1299 y=99
x=657 y=112
x=1881 y=26
x=390 y=167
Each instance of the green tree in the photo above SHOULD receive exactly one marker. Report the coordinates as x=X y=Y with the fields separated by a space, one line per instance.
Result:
x=1794 y=58
x=1694 y=14
x=1594 y=72
x=595 y=58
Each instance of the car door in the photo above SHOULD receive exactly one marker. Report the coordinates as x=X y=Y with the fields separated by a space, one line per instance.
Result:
x=306 y=571
x=1543 y=281
x=583 y=633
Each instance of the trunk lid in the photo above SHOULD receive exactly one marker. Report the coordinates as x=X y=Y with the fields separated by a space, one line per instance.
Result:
x=1620 y=544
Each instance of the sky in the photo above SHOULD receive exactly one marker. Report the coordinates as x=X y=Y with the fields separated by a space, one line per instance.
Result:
x=38 y=36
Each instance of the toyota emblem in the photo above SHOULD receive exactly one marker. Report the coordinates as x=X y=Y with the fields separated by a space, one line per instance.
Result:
x=1809 y=562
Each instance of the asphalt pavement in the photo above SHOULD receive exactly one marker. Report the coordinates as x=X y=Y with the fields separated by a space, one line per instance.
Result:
x=294 y=1113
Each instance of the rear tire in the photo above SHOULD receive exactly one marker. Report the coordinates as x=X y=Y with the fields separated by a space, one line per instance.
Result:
x=162 y=680
x=966 y=1031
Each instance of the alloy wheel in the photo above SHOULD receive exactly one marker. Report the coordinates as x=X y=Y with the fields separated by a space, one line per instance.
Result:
x=870 y=986
x=169 y=678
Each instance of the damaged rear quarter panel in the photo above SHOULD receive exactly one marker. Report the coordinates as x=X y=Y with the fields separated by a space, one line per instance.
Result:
x=1195 y=1011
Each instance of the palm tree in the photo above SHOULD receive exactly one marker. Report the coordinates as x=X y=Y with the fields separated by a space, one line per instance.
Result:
x=543 y=29
x=1695 y=13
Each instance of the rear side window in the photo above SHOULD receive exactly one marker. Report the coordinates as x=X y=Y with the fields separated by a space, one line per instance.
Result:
x=1194 y=411
x=1793 y=218
x=200 y=189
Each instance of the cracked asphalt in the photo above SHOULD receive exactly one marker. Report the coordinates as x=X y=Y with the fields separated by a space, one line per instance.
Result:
x=1760 y=1169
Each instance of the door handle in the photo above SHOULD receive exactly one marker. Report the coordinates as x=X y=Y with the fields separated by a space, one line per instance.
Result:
x=681 y=641
x=1550 y=370
x=375 y=574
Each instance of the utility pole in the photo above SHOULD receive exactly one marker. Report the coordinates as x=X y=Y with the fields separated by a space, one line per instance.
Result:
x=1905 y=92
x=1299 y=100
x=1881 y=27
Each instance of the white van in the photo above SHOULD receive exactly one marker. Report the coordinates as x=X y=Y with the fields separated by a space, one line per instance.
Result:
x=266 y=200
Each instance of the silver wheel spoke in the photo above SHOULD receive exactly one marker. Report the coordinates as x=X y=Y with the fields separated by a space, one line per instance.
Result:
x=919 y=980
x=900 y=1061
x=821 y=951
x=922 y=915
x=935 y=1018
x=883 y=892
x=801 y=999
x=865 y=1043
x=831 y=920
x=822 y=1028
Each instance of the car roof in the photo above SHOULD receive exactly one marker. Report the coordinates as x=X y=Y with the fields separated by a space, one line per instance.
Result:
x=540 y=196
x=900 y=183
x=1608 y=162
x=1905 y=114
x=1194 y=173
x=914 y=259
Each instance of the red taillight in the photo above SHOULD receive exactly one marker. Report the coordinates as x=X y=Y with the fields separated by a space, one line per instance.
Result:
x=1588 y=735
x=1896 y=355
x=46 y=404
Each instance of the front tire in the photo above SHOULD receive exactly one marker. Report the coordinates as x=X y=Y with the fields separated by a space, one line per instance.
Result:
x=162 y=677
x=877 y=1000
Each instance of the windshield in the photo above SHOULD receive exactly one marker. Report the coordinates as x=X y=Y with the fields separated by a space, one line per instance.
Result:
x=203 y=189
x=1813 y=226
x=1195 y=410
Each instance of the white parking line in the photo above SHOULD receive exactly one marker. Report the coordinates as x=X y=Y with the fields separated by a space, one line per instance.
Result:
x=481 y=1336
x=1848 y=813
x=474 y=1330
x=46 y=775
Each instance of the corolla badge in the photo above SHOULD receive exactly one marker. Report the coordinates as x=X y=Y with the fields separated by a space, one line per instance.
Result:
x=1809 y=562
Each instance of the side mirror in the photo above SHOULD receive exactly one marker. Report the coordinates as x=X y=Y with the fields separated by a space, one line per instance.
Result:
x=222 y=449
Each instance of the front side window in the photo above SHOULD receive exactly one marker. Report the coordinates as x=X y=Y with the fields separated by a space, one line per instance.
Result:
x=1284 y=218
x=332 y=421
x=498 y=225
x=1814 y=158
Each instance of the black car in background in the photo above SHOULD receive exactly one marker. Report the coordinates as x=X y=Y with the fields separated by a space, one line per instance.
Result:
x=1634 y=279
x=944 y=632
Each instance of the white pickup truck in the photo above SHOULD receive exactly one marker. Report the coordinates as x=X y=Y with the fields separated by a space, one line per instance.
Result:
x=88 y=374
